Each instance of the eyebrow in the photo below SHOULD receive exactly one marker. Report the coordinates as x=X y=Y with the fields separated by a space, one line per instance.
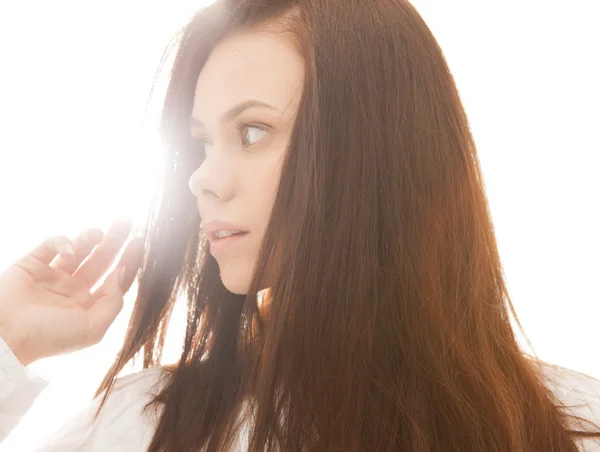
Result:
x=234 y=111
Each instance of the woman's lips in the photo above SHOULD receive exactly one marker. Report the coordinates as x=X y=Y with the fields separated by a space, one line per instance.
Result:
x=218 y=246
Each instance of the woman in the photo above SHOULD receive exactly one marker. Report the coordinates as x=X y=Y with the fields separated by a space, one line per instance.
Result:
x=323 y=213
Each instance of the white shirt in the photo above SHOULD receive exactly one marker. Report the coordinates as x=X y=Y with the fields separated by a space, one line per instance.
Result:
x=121 y=425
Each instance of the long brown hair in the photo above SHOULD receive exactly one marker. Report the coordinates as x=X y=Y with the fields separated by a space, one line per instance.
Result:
x=389 y=324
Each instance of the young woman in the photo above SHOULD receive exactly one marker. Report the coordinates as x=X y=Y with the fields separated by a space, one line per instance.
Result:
x=323 y=214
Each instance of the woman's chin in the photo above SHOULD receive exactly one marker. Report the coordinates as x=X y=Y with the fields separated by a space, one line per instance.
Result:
x=237 y=279
x=236 y=287
x=235 y=282
x=235 y=276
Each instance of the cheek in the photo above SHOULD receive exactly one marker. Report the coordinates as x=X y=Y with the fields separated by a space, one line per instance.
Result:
x=268 y=190
x=265 y=189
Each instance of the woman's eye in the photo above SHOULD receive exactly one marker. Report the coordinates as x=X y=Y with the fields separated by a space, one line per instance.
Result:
x=251 y=134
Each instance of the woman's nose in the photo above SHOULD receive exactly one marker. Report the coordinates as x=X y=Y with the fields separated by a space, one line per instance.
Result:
x=213 y=180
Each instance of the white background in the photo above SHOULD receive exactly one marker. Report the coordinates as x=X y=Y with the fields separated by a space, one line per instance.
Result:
x=74 y=78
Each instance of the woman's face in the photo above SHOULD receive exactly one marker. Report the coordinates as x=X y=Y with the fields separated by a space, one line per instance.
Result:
x=246 y=100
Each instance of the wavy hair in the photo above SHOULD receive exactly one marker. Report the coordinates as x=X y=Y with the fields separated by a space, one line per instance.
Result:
x=389 y=316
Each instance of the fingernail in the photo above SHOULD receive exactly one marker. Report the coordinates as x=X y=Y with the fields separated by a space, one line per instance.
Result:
x=122 y=276
x=69 y=250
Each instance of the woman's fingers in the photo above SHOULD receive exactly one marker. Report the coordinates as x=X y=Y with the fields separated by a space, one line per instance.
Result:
x=49 y=248
x=118 y=282
x=52 y=266
x=83 y=246
x=130 y=263
x=103 y=256
x=35 y=263
x=106 y=305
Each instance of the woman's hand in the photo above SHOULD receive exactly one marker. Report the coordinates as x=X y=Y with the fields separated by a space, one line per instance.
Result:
x=46 y=304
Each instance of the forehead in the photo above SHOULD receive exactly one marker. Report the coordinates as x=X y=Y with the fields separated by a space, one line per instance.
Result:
x=257 y=64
